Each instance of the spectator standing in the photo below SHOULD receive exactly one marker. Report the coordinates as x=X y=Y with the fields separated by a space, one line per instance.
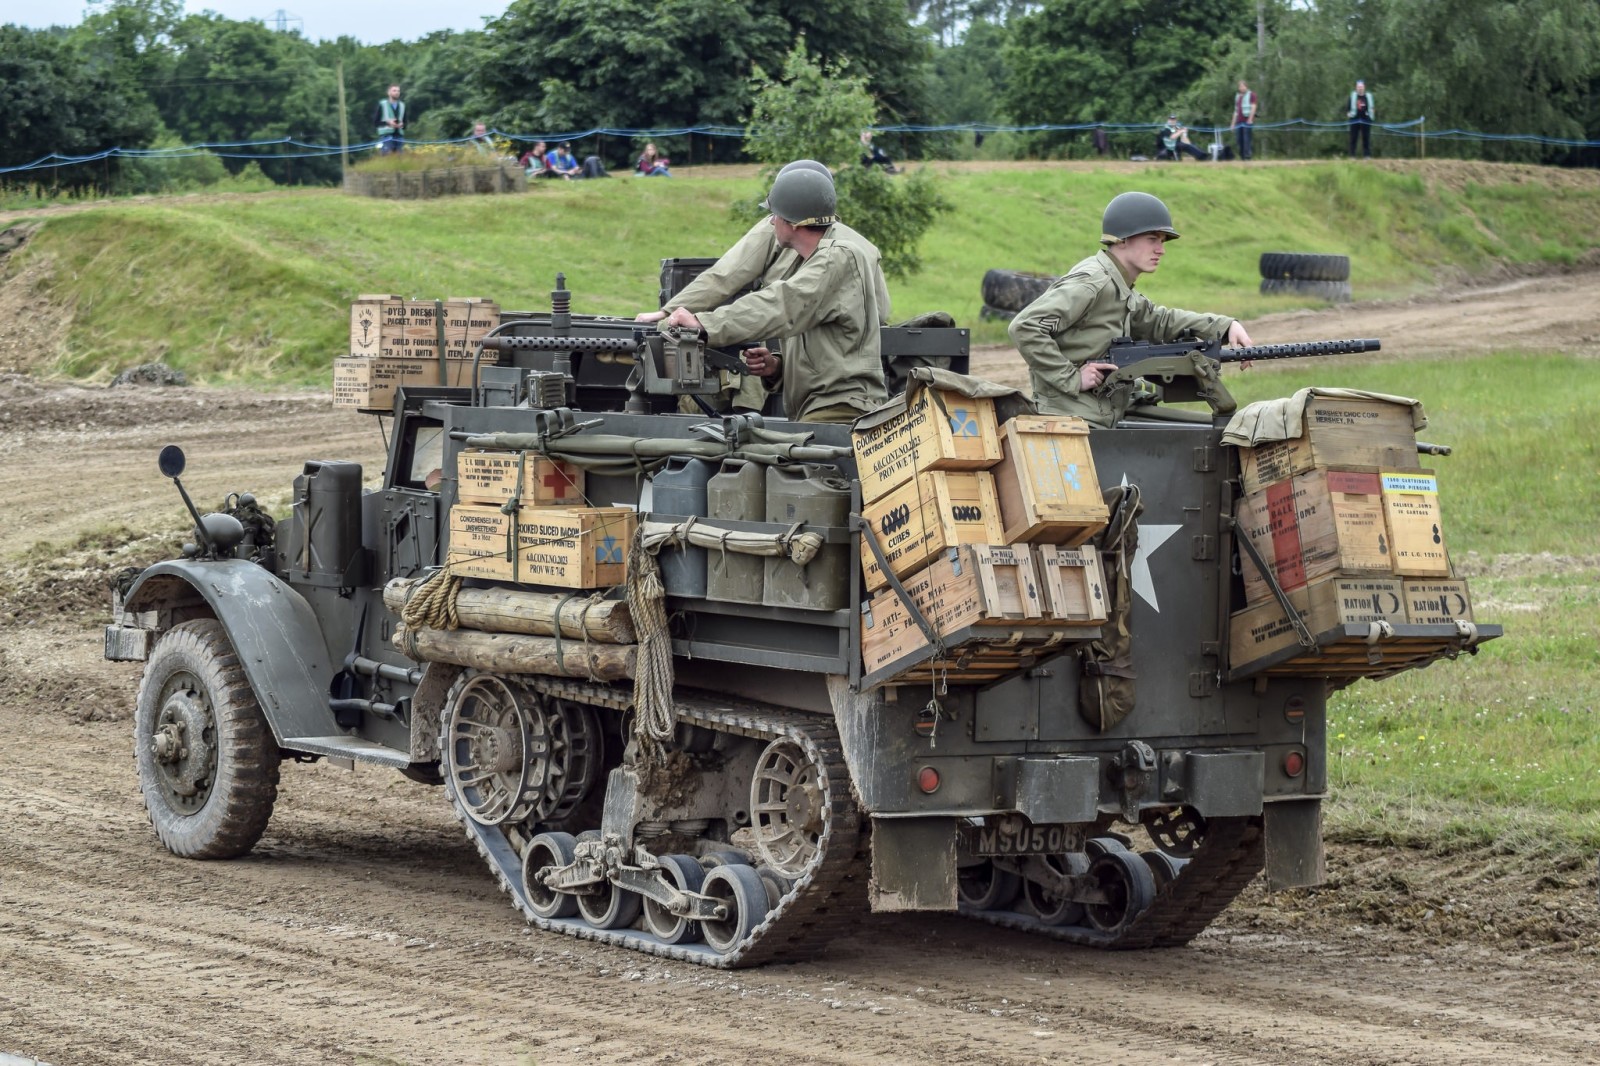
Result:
x=1102 y=142
x=873 y=156
x=652 y=164
x=480 y=139
x=1246 y=106
x=1174 y=139
x=1361 y=114
x=390 y=119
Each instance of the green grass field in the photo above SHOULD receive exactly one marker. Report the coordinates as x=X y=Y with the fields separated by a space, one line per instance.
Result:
x=1501 y=750
x=254 y=287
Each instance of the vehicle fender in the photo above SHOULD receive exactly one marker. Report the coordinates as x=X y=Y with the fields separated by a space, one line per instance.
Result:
x=272 y=628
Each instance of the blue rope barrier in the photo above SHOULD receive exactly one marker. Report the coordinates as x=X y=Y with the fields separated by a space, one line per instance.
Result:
x=308 y=150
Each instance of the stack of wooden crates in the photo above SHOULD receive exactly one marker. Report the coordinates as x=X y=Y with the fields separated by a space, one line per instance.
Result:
x=394 y=342
x=522 y=517
x=985 y=525
x=1350 y=525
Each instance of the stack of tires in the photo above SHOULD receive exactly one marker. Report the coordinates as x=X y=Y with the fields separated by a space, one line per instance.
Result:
x=1326 y=277
x=1005 y=292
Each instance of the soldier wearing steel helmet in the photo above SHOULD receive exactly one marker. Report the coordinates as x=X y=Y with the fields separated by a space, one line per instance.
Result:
x=755 y=260
x=1065 y=333
x=826 y=310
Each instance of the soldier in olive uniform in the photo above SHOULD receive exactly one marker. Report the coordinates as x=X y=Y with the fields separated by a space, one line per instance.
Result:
x=1064 y=334
x=826 y=311
x=757 y=259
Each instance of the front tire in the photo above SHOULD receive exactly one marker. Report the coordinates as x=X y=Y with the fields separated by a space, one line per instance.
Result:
x=207 y=762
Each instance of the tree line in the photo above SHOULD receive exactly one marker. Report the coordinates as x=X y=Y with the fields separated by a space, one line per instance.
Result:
x=143 y=74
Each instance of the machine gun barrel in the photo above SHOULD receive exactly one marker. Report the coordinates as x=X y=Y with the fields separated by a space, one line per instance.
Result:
x=1125 y=352
x=510 y=343
x=1296 y=350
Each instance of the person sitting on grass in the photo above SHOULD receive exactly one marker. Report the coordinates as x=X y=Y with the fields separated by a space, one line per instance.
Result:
x=652 y=164
x=561 y=164
x=1174 y=139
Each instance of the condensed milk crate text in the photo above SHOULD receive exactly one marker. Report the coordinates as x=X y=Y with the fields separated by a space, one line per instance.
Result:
x=1314 y=524
x=932 y=512
x=939 y=430
x=1376 y=434
x=1046 y=482
x=566 y=547
x=534 y=480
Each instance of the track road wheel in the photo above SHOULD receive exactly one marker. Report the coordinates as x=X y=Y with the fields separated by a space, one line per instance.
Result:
x=208 y=764
x=608 y=907
x=547 y=851
x=1129 y=889
x=740 y=890
x=1163 y=867
x=1045 y=904
x=684 y=873
x=987 y=887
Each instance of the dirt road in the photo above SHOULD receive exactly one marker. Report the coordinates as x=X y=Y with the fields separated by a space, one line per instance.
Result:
x=364 y=930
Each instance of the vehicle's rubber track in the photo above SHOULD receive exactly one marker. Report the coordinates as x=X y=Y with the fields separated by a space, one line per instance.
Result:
x=824 y=903
x=1226 y=862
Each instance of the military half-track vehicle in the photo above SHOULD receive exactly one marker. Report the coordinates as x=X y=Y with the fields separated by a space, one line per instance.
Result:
x=733 y=788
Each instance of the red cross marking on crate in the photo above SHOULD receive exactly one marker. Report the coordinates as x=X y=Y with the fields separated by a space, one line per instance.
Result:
x=557 y=481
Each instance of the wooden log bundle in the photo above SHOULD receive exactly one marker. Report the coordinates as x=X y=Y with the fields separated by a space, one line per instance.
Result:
x=516 y=653
x=500 y=610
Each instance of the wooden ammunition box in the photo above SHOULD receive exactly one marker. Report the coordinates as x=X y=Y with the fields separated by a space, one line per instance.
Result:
x=1430 y=601
x=389 y=327
x=934 y=511
x=534 y=480
x=1046 y=482
x=1338 y=433
x=368 y=384
x=1263 y=629
x=1411 y=513
x=970 y=585
x=939 y=430
x=1073 y=581
x=567 y=547
x=1312 y=525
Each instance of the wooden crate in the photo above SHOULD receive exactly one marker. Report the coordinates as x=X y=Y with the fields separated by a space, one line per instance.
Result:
x=1435 y=601
x=566 y=547
x=940 y=430
x=536 y=481
x=1046 y=482
x=1411 y=513
x=1262 y=630
x=934 y=511
x=389 y=327
x=1338 y=433
x=1073 y=581
x=1312 y=525
x=970 y=585
x=368 y=384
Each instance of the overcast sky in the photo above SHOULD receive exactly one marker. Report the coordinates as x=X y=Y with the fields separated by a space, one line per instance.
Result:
x=372 y=21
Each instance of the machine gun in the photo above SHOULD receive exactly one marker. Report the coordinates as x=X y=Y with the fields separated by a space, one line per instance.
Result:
x=1190 y=369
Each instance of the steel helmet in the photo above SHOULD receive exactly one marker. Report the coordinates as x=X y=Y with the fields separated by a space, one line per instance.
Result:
x=802 y=197
x=808 y=164
x=1134 y=213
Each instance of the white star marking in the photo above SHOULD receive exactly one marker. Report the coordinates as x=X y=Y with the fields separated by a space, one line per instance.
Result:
x=1151 y=538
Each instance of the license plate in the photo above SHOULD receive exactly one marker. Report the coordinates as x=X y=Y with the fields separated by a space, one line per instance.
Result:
x=1007 y=838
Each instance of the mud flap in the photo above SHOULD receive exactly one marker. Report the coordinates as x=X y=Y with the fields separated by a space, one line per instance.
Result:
x=1294 y=844
x=913 y=864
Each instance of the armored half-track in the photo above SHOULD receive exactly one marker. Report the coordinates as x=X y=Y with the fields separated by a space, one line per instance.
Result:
x=723 y=781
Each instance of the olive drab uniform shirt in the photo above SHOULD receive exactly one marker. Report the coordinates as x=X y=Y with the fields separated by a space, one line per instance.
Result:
x=827 y=315
x=1076 y=320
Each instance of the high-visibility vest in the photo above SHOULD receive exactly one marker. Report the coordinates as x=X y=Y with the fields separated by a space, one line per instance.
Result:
x=390 y=111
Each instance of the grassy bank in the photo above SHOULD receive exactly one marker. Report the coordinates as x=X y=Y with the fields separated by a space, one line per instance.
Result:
x=255 y=287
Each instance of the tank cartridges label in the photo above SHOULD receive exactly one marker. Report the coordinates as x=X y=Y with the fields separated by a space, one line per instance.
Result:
x=1400 y=482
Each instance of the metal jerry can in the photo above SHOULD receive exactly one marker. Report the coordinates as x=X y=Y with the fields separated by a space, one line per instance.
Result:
x=820 y=498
